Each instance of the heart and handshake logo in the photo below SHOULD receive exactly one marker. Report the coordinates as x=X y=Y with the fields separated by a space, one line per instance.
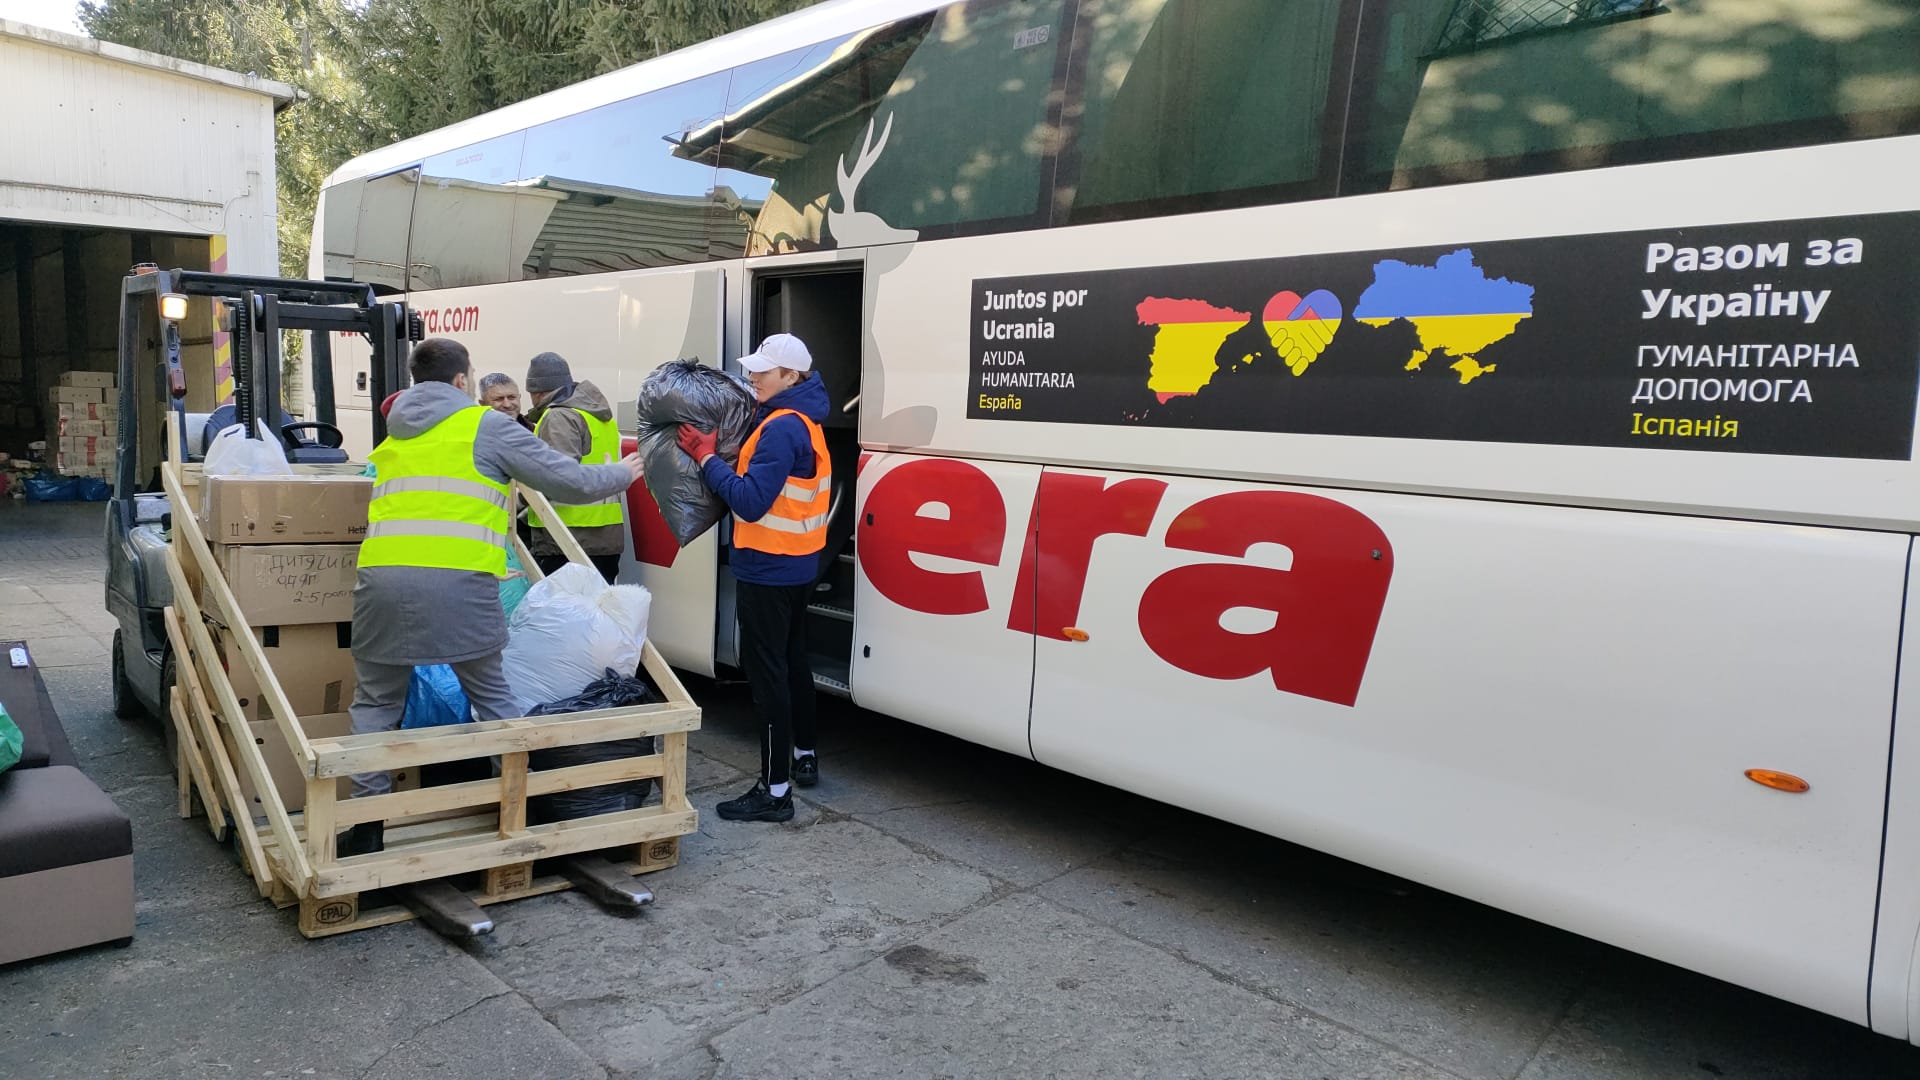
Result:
x=1301 y=328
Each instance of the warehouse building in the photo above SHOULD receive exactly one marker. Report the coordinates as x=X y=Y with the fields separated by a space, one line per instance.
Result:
x=114 y=157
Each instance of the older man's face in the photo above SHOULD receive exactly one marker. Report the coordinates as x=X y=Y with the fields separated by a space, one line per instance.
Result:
x=504 y=398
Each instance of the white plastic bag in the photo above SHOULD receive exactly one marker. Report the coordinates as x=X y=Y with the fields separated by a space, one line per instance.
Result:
x=569 y=630
x=233 y=454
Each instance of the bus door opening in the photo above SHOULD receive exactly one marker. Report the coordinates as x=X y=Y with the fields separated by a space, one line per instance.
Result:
x=822 y=308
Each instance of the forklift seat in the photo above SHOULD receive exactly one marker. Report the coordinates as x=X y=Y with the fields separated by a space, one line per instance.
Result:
x=300 y=451
x=218 y=420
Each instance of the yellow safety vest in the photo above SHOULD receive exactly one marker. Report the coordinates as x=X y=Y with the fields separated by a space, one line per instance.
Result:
x=604 y=450
x=431 y=507
x=796 y=523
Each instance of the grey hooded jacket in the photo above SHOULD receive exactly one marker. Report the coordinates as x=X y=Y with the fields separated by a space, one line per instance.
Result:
x=407 y=615
x=560 y=426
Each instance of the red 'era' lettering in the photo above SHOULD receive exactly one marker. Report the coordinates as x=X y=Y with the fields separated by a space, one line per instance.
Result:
x=892 y=529
x=1071 y=511
x=1326 y=608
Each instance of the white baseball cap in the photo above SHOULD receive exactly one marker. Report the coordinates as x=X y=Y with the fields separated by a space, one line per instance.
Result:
x=779 y=350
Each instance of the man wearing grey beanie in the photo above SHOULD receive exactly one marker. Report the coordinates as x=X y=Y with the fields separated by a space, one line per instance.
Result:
x=575 y=419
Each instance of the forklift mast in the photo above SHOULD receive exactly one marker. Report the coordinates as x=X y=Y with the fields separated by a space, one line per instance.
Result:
x=255 y=310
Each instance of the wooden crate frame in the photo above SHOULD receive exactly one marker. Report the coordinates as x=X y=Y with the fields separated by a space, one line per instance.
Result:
x=475 y=830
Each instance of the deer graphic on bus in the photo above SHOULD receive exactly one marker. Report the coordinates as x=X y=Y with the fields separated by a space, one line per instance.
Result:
x=861 y=228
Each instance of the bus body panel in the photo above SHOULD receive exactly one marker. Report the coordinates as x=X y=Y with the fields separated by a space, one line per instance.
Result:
x=614 y=330
x=1895 y=993
x=928 y=541
x=1530 y=672
x=1555 y=715
x=925 y=306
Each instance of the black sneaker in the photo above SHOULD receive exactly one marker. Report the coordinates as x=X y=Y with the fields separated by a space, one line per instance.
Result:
x=806 y=770
x=757 y=805
x=363 y=839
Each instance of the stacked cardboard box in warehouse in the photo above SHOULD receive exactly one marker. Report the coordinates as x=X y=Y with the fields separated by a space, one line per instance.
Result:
x=83 y=413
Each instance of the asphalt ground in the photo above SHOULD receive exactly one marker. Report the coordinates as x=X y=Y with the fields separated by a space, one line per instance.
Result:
x=934 y=910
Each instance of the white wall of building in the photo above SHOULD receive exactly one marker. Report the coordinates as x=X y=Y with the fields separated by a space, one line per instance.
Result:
x=101 y=136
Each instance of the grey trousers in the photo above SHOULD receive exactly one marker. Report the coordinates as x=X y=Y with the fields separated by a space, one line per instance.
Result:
x=380 y=696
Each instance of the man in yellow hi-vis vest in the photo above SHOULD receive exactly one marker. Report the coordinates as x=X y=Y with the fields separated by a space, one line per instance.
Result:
x=575 y=419
x=436 y=548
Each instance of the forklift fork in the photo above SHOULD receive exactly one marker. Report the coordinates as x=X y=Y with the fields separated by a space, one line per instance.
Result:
x=610 y=886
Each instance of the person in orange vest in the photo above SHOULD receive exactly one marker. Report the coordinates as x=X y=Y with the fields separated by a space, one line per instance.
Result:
x=779 y=493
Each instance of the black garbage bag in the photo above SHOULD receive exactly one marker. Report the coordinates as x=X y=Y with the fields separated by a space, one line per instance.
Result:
x=611 y=691
x=684 y=392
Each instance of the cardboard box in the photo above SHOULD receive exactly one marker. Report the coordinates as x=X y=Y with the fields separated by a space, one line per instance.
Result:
x=285 y=509
x=312 y=663
x=291 y=584
x=74 y=426
x=99 y=379
x=106 y=412
x=287 y=778
x=77 y=395
x=86 y=449
x=66 y=466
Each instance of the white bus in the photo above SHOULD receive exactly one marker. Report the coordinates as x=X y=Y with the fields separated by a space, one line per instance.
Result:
x=1470 y=437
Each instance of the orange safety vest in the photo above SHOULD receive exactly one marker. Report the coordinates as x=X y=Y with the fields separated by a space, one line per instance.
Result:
x=796 y=523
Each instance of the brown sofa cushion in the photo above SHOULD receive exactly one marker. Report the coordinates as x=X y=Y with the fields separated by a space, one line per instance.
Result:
x=55 y=817
x=25 y=695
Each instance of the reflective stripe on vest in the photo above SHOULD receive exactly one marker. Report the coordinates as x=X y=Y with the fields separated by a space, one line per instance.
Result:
x=796 y=523
x=604 y=449
x=431 y=507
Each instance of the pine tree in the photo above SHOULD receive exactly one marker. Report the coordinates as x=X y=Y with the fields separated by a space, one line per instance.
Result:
x=376 y=73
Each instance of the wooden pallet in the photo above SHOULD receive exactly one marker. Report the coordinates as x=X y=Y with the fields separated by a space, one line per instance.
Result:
x=324 y=917
x=475 y=834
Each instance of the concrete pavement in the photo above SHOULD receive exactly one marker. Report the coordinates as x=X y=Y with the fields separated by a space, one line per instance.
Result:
x=935 y=909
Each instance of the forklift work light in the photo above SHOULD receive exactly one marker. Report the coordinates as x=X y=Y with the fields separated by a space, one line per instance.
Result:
x=173 y=306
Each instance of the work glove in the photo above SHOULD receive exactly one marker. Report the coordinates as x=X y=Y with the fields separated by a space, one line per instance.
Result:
x=699 y=445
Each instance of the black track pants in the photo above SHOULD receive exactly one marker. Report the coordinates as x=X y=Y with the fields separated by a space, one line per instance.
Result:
x=773 y=652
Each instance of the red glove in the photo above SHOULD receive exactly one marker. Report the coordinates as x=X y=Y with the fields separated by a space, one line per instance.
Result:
x=699 y=445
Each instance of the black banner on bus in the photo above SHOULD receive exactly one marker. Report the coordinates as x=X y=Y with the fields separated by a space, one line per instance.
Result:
x=1791 y=337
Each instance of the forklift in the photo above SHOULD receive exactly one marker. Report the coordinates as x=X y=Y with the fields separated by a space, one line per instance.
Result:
x=153 y=385
x=253 y=310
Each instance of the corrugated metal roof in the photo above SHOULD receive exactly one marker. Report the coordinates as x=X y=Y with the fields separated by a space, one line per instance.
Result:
x=282 y=94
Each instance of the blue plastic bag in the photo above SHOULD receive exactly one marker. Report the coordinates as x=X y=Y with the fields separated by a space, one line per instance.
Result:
x=92 y=489
x=434 y=699
x=52 y=489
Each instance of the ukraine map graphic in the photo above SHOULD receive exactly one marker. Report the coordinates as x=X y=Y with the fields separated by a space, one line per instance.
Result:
x=1454 y=308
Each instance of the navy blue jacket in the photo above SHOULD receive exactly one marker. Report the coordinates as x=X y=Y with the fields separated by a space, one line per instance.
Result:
x=785 y=450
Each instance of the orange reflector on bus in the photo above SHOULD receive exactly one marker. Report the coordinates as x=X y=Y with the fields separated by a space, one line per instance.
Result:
x=1779 y=781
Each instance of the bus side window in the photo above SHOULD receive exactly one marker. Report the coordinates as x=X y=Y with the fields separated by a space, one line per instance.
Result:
x=614 y=189
x=366 y=228
x=1199 y=104
x=340 y=221
x=463 y=215
x=939 y=122
x=1442 y=96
